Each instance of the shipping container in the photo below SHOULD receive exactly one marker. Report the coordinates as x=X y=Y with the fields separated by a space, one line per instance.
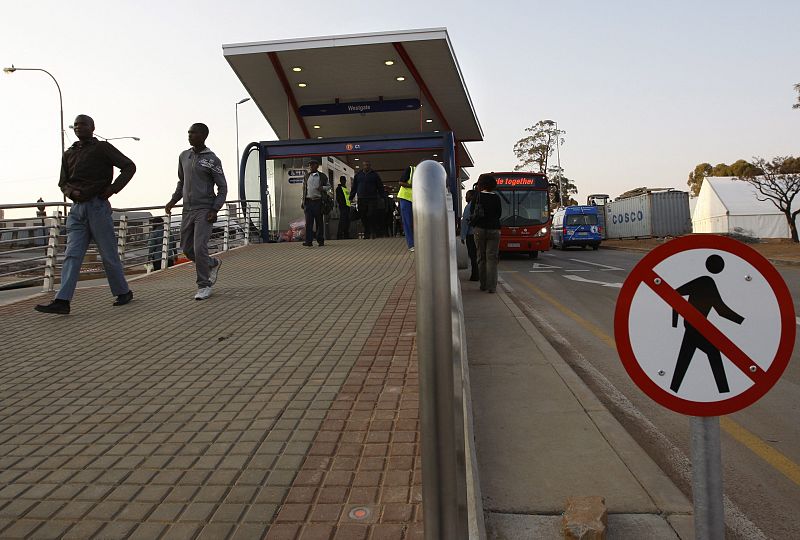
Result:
x=655 y=213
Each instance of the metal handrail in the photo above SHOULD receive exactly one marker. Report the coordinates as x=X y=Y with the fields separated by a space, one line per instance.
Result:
x=442 y=360
x=23 y=262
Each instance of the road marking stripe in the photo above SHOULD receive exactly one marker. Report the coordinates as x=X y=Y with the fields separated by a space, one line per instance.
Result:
x=598 y=264
x=603 y=283
x=752 y=442
x=776 y=459
x=591 y=327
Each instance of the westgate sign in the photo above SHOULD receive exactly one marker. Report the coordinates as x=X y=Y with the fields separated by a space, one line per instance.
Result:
x=360 y=107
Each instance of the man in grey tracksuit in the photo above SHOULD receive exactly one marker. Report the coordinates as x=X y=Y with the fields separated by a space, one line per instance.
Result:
x=199 y=169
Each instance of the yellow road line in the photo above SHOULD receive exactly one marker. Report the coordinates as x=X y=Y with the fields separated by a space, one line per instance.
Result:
x=591 y=327
x=755 y=444
x=776 y=459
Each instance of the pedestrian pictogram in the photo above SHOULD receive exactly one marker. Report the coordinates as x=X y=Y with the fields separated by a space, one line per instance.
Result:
x=738 y=326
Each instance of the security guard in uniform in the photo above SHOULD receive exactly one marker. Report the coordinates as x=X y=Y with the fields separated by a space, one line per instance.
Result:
x=406 y=213
x=343 y=202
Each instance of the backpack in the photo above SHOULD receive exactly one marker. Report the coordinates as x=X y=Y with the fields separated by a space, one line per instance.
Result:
x=327 y=202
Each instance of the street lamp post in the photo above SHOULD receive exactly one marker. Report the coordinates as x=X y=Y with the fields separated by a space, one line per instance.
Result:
x=558 y=157
x=12 y=69
x=237 y=132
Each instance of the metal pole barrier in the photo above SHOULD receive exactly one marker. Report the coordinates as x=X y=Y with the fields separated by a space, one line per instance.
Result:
x=709 y=513
x=123 y=232
x=49 y=282
x=165 y=254
x=435 y=352
x=226 y=235
x=246 y=224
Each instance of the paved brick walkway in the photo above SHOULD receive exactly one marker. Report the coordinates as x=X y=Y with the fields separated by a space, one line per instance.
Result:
x=171 y=418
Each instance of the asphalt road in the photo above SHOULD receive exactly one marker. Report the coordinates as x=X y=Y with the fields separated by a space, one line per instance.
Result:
x=571 y=296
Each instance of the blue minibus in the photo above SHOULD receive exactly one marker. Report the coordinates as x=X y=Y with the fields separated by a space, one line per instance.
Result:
x=576 y=226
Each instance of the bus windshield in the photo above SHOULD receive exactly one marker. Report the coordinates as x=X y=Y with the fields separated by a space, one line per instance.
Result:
x=581 y=219
x=522 y=207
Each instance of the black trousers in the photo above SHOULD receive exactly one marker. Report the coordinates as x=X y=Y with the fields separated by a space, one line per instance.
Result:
x=371 y=217
x=472 y=251
x=343 y=231
x=313 y=212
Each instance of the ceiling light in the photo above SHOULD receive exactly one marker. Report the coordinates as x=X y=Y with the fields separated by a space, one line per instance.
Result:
x=436 y=131
x=297 y=69
x=319 y=137
x=435 y=155
x=316 y=127
x=357 y=159
x=302 y=85
x=401 y=79
x=389 y=62
x=429 y=120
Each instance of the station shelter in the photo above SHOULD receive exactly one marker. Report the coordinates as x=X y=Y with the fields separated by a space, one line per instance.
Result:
x=393 y=98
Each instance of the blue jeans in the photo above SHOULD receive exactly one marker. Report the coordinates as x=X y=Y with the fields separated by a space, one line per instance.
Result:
x=407 y=215
x=91 y=220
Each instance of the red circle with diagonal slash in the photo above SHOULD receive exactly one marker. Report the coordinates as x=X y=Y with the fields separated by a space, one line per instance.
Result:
x=643 y=274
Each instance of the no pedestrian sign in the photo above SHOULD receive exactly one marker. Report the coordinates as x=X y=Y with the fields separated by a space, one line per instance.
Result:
x=704 y=325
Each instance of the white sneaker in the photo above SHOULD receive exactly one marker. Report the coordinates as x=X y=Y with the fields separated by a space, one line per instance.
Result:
x=213 y=274
x=203 y=293
x=411 y=248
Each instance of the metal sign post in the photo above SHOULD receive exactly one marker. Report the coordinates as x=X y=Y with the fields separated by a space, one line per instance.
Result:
x=709 y=514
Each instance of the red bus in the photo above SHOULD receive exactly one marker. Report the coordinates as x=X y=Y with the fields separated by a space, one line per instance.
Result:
x=525 y=222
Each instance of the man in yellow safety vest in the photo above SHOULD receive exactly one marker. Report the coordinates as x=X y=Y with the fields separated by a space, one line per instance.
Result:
x=406 y=214
x=343 y=202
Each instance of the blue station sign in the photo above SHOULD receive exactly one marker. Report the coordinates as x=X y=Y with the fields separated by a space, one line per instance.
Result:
x=360 y=107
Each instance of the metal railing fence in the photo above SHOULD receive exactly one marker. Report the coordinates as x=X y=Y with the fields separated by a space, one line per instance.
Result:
x=450 y=492
x=148 y=239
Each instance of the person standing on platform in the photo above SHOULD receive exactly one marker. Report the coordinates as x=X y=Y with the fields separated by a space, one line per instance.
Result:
x=87 y=168
x=468 y=236
x=487 y=232
x=368 y=187
x=199 y=170
x=343 y=202
x=313 y=184
x=406 y=209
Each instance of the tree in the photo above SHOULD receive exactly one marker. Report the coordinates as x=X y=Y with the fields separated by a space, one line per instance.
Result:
x=568 y=188
x=695 y=181
x=739 y=168
x=778 y=183
x=797 y=105
x=536 y=148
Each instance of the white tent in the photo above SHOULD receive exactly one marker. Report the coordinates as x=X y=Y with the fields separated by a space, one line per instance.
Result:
x=729 y=205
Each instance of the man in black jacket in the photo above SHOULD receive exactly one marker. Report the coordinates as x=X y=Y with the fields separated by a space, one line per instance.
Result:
x=368 y=187
x=87 y=168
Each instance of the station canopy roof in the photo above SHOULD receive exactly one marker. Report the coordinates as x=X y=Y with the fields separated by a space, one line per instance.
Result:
x=312 y=87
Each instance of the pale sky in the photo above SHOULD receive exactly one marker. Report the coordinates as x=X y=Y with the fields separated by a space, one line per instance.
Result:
x=645 y=89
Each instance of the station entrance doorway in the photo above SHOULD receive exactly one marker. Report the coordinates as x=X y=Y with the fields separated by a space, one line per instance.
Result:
x=271 y=172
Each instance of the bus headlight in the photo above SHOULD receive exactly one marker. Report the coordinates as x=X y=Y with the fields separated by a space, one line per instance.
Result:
x=542 y=232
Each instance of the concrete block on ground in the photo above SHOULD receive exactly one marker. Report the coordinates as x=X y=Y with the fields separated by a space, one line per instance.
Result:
x=585 y=518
